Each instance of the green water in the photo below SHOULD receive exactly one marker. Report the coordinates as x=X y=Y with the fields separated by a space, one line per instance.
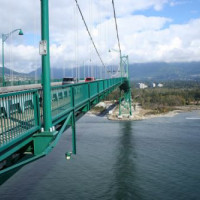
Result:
x=156 y=159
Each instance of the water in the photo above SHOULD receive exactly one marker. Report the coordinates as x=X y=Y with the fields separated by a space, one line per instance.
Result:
x=156 y=159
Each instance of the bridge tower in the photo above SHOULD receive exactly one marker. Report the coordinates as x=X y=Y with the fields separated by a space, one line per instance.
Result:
x=125 y=89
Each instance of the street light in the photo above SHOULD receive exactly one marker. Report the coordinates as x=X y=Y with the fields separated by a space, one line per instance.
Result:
x=110 y=50
x=4 y=38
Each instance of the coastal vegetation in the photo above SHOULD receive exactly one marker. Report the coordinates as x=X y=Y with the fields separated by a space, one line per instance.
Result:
x=166 y=99
x=160 y=100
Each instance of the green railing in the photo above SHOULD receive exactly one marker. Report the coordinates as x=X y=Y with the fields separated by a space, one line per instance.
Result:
x=21 y=113
x=68 y=97
x=81 y=94
x=101 y=86
x=19 y=116
x=60 y=100
x=94 y=89
x=26 y=82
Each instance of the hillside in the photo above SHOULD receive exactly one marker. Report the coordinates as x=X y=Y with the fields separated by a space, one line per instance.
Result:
x=165 y=71
x=144 y=71
x=8 y=72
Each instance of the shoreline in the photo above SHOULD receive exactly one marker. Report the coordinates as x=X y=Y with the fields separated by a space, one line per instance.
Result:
x=138 y=114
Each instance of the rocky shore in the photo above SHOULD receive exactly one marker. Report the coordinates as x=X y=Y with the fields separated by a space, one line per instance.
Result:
x=111 y=110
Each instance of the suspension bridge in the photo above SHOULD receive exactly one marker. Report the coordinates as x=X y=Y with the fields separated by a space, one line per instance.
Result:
x=33 y=120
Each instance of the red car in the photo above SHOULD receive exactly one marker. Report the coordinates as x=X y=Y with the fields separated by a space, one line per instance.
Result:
x=88 y=79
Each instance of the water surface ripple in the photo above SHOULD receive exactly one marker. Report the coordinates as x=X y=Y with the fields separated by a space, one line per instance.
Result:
x=156 y=159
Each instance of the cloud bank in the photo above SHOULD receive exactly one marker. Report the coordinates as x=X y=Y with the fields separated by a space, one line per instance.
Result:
x=144 y=38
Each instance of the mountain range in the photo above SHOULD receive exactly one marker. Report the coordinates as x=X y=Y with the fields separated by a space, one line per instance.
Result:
x=158 y=71
x=165 y=71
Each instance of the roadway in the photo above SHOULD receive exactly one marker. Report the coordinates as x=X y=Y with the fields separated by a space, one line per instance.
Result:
x=16 y=88
x=9 y=89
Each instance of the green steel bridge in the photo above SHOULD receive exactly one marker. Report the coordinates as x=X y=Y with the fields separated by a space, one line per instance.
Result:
x=23 y=137
x=33 y=120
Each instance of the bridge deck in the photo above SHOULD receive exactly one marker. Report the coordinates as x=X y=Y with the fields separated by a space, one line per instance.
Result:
x=14 y=88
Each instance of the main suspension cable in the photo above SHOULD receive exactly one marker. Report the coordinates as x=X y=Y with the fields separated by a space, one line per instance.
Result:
x=89 y=32
x=116 y=27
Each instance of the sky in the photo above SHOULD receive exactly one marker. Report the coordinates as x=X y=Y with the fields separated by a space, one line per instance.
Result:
x=149 y=31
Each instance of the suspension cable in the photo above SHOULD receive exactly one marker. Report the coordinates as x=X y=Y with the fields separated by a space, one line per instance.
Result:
x=116 y=27
x=89 y=32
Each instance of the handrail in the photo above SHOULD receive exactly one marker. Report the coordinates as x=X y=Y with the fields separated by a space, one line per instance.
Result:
x=21 y=112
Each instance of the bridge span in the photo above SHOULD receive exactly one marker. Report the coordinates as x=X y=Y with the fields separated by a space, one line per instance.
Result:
x=23 y=138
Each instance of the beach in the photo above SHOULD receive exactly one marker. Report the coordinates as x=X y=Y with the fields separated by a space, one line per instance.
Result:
x=111 y=110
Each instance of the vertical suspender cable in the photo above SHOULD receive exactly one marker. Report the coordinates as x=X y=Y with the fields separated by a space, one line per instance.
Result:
x=117 y=32
x=116 y=27
x=89 y=33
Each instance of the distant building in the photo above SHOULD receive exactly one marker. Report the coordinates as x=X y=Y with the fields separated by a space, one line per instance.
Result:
x=142 y=86
x=160 y=85
x=153 y=85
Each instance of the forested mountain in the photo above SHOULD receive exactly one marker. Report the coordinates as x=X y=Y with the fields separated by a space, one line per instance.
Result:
x=165 y=71
x=138 y=71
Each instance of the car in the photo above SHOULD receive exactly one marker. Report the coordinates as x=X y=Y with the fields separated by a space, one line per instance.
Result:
x=88 y=79
x=69 y=80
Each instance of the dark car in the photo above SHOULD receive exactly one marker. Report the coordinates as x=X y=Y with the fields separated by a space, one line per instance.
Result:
x=69 y=80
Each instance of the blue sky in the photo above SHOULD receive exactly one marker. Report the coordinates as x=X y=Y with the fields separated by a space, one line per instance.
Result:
x=180 y=12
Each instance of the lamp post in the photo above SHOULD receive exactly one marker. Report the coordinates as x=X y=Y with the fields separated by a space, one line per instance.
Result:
x=4 y=38
x=110 y=50
x=45 y=54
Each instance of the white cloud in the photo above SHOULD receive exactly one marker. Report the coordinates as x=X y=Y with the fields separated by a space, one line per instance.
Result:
x=178 y=2
x=130 y=6
x=144 y=39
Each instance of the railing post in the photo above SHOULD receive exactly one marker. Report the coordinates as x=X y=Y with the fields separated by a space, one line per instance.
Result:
x=36 y=109
x=73 y=121
x=73 y=133
x=72 y=97
x=88 y=86
x=130 y=110
x=3 y=79
x=98 y=86
x=120 y=112
x=89 y=90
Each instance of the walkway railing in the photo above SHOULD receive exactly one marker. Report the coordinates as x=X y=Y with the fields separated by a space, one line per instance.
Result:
x=19 y=116
x=21 y=112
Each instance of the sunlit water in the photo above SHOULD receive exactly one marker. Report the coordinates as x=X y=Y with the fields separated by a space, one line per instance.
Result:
x=151 y=159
